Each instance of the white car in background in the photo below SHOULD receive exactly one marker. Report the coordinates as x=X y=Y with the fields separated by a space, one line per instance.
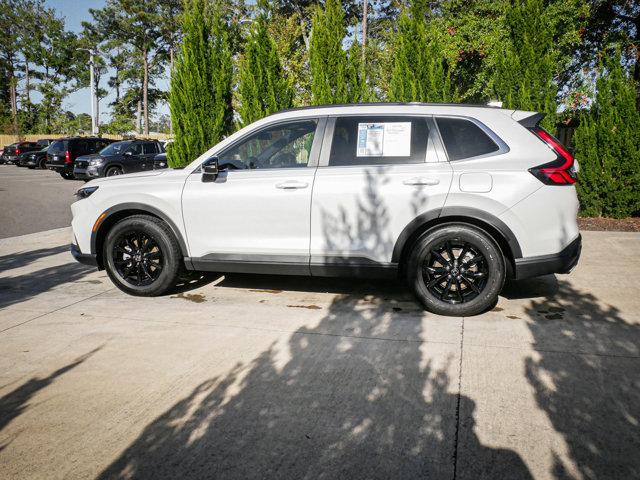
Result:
x=453 y=199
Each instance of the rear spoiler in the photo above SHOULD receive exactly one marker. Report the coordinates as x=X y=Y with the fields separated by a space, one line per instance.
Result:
x=527 y=119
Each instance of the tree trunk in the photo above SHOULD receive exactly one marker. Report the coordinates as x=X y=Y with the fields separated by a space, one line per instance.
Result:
x=13 y=99
x=365 y=7
x=145 y=91
x=138 y=116
x=27 y=83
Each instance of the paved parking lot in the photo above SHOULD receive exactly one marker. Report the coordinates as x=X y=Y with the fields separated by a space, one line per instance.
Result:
x=274 y=377
x=34 y=200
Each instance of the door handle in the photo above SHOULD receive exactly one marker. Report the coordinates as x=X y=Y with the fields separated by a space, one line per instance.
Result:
x=422 y=181
x=291 y=185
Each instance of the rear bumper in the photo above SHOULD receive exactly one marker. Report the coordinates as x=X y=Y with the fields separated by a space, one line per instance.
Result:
x=84 y=258
x=562 y=262
x=60 y=167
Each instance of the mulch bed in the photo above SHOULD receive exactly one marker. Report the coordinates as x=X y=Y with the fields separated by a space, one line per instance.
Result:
x=610 y=224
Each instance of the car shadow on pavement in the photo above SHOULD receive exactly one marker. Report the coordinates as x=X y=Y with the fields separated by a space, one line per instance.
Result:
x=16 y=402
x=359 y=394
x=586 y=376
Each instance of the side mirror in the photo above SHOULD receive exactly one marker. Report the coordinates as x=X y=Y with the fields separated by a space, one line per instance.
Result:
x=210 y=170
x=128 y=153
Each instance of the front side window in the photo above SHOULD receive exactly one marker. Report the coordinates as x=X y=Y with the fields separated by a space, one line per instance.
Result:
x=371 y=140
x=135 y=149
x=117 y=148
x=464 y=139
x=280 y=146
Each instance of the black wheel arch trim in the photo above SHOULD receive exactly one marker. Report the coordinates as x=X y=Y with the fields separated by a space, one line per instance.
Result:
x=455 y=213
x=142 y=208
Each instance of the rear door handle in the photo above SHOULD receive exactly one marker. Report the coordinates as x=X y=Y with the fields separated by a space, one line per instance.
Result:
x=291 y=185
x=421 y=181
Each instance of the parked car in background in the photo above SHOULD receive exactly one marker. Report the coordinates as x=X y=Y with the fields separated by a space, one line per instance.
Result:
x=33 y=160
x=160 y=161
x=63 y=152
x=454 y=199
x=2 y=157
x=13 y=151
x=127 y=156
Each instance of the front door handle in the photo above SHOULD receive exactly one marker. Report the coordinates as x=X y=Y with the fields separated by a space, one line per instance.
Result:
x=421 y=181
x=291 y=185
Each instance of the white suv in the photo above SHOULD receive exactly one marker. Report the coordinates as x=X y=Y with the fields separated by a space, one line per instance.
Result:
x=451 y=198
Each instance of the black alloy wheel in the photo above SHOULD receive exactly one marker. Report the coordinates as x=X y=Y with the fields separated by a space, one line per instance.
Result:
x=113 y=171
x=455 y=271
x=138 y=258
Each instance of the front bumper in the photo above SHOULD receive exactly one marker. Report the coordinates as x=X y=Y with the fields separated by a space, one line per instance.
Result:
x=84 y=258
x=562 y=262
x=88 y=173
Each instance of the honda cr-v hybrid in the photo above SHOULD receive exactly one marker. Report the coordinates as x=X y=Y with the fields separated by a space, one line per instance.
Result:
x=453 y=199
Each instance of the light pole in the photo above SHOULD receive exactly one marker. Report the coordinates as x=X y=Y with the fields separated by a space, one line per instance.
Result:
x=95 y=121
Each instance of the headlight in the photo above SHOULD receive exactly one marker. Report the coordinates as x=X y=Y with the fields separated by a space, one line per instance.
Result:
x=84 y=192
x=96 y=161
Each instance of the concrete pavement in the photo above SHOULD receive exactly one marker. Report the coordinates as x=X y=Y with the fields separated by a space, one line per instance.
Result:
x=278 y=377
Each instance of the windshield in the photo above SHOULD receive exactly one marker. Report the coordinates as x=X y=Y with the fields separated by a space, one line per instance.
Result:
x=59 y=146
x=117 y=148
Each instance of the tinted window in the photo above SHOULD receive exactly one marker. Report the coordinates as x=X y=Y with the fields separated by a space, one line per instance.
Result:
x=379 y=140
x=464 y=139
x=81 y=147
x=150 y=147
x=117 y=148
x=100 y=144
x=281 y=146
x=59 y=146
x=135 y=149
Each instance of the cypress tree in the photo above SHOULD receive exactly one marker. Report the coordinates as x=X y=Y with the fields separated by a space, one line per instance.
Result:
x=524 y=74
x=608 y=146
x=327 y=59
x=420 y=70
x=200 y=95
x=263 y=87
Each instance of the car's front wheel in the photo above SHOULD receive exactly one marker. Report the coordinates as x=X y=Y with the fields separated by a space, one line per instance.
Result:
x=111 y=171
x=67 y=175
x=142 y=256
x=456 y=270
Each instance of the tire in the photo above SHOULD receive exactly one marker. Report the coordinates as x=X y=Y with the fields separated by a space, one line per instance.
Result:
x=155 y=263
x=42 y=165
x=111 y=171
x=67 y=175
x=466 y=286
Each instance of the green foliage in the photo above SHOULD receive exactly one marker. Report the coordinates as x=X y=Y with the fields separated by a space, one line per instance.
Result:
x=327 y=59
x=420 y=71
x=263 y=88
x=200 y=97
x=608 y=147
x=524 y=75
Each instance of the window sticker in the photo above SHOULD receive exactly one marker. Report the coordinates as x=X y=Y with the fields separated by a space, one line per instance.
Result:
x=391 y=139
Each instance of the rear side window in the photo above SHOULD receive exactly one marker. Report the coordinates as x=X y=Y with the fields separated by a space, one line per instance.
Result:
x=59 y=146
x=371 y=140
x=135 y=149
x=150 y=147
x=464 y=139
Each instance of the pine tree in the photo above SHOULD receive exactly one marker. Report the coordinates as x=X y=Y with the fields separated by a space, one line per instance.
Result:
x=263 y=87
x=420 y=71
x=608 y=147
x=327 y=59
x=524 y=75
x=200 y=96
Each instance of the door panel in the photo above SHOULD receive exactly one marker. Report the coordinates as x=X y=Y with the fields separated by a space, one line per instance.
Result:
x=255 y=215
x=359 y=211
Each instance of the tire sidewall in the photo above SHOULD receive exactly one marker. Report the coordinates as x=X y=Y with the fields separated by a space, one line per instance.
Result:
x=481 y=241
x=170 y=264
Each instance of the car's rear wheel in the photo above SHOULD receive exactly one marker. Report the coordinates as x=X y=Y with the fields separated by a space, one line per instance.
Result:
x=142 y=256
x=111 y=171
x=456 y=270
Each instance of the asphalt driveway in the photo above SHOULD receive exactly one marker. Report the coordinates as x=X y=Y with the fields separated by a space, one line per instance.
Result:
x=274 y=377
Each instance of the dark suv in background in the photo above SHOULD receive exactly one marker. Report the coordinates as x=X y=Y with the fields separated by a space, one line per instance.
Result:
x=13 y=151
x=63 y=152
x=127 y=156
x=36 y=158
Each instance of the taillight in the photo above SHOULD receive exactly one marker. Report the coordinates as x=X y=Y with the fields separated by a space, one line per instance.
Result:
x=17 y=151
x=560 y=171
x=67 y=157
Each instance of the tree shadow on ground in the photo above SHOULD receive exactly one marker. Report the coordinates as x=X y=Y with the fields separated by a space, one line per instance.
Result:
x=15 y=402
x=586 y=376
x=361 y=395
x=22 y=259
